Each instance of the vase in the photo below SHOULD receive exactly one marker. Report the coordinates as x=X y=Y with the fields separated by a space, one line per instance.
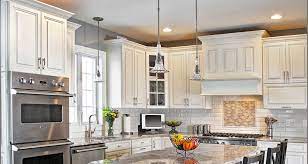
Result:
x=173 y=130
x=110 y=128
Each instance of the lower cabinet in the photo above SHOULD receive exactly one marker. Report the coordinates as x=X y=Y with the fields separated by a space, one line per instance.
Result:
x=296 y=152
x=141 y=145
x=296 y=158
x=117 y=150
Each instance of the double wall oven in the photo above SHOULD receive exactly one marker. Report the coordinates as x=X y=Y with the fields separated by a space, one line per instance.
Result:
x=39 y=119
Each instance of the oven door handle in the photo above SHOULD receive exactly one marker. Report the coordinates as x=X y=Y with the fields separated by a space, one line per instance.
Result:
x=14 y=91
x=18 y=148
x=90 y=149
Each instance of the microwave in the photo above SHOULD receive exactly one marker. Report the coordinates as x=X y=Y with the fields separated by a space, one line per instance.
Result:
x=152 y=121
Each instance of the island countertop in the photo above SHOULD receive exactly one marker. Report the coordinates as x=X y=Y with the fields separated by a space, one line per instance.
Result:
x=205 y=153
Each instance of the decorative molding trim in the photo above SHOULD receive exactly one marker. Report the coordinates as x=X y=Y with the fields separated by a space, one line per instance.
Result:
x=73 y=25
x=86 y=50
x=286 y=37
x=45 y=8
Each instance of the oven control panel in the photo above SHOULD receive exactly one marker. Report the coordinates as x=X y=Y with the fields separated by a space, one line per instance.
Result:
x=39 y=82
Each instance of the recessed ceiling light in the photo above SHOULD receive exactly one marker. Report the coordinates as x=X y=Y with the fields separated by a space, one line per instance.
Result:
x=167 y=29
x=276 y=16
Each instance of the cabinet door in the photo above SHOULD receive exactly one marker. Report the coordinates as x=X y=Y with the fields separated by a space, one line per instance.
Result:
x=140 y=78
x=25 y=39
x=178 y=80
x=157 y=143
x=195 y=100
x=296 y=54
x=128 y=77
x=211 y=60
x=296 y=158
x=54 y=30
x=285 y=96
x=274 y=62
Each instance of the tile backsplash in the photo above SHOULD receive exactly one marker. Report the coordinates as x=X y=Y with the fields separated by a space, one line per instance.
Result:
x=239 y=113
x=292 y=123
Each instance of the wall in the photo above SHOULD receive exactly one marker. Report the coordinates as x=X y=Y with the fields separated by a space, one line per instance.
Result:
x=291 y=123
x=86 y=35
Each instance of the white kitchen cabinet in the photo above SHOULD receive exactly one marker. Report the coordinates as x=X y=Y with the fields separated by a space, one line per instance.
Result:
x=54 y=45
x=134 y=83
x=285 y=59
x=296 y=61
x=25 y=34
x=117 y=150
x=126 y=74
x=157 y=143
x=285 y=96
x=296 y=158
x=296 y=152
x=285 y=72
x=233 y=55
x=184 y=92
x=157 y=83
x=141 y=145
x=274 y=62
x=38 y=41
x=232 y=61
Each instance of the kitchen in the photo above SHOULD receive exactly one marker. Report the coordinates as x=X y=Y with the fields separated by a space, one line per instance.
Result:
x=84 y=83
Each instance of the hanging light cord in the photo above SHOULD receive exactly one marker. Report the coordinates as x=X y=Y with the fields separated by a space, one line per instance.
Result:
x=98 y=73
x=158 y=24
x=196 y=19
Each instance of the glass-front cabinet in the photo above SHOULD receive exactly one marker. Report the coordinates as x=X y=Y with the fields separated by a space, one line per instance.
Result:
x=157 y=84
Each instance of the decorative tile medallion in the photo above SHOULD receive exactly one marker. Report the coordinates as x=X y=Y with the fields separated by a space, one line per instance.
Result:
x=239 y=113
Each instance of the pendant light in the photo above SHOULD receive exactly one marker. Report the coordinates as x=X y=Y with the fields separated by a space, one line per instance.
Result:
x=196 y=76
x=159 y=64
x=98 y=73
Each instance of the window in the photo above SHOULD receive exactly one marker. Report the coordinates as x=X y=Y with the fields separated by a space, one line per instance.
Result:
x=87 y=91
x=90 y=92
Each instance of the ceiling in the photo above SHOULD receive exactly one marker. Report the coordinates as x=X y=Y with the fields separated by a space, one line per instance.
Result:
x=138 y=18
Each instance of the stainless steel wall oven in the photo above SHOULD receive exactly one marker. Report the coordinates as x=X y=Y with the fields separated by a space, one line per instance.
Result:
x=39 y=119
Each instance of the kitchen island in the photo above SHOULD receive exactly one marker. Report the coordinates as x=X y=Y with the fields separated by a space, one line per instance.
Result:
x=205 y=153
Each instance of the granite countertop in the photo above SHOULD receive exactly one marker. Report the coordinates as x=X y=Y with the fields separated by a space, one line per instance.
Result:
x=279 y=139
x=205 y=153
x=98 y=140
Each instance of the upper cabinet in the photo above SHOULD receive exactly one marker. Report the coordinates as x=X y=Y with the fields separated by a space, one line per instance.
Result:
x=232 y=61
x=54 y=45
x=126 y=74
x=285 y=72
x=184 y=92
x=37 y=38
x=285 y=60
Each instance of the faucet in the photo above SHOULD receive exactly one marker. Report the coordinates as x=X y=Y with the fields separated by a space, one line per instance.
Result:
x=90 y=132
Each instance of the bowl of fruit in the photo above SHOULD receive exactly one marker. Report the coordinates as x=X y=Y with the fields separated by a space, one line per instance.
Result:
x=184 y=144
x=173 y=124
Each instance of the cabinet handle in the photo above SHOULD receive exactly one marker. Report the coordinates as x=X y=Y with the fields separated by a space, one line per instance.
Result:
x=44 y=63
x=286 y=107
x=287 y=76
x=39 y=62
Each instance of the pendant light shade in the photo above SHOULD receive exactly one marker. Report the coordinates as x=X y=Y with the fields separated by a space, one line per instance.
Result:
x=159 y=64
x=196 y=75
x=98 y=73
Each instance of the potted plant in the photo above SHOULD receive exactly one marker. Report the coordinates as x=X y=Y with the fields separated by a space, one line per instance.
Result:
x=110 y=115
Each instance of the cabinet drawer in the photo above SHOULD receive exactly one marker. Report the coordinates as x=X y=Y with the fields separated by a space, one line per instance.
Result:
x=141 y=142
x=114 y=155
x=113 y=146
x=297 y=147
x=141 y=149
